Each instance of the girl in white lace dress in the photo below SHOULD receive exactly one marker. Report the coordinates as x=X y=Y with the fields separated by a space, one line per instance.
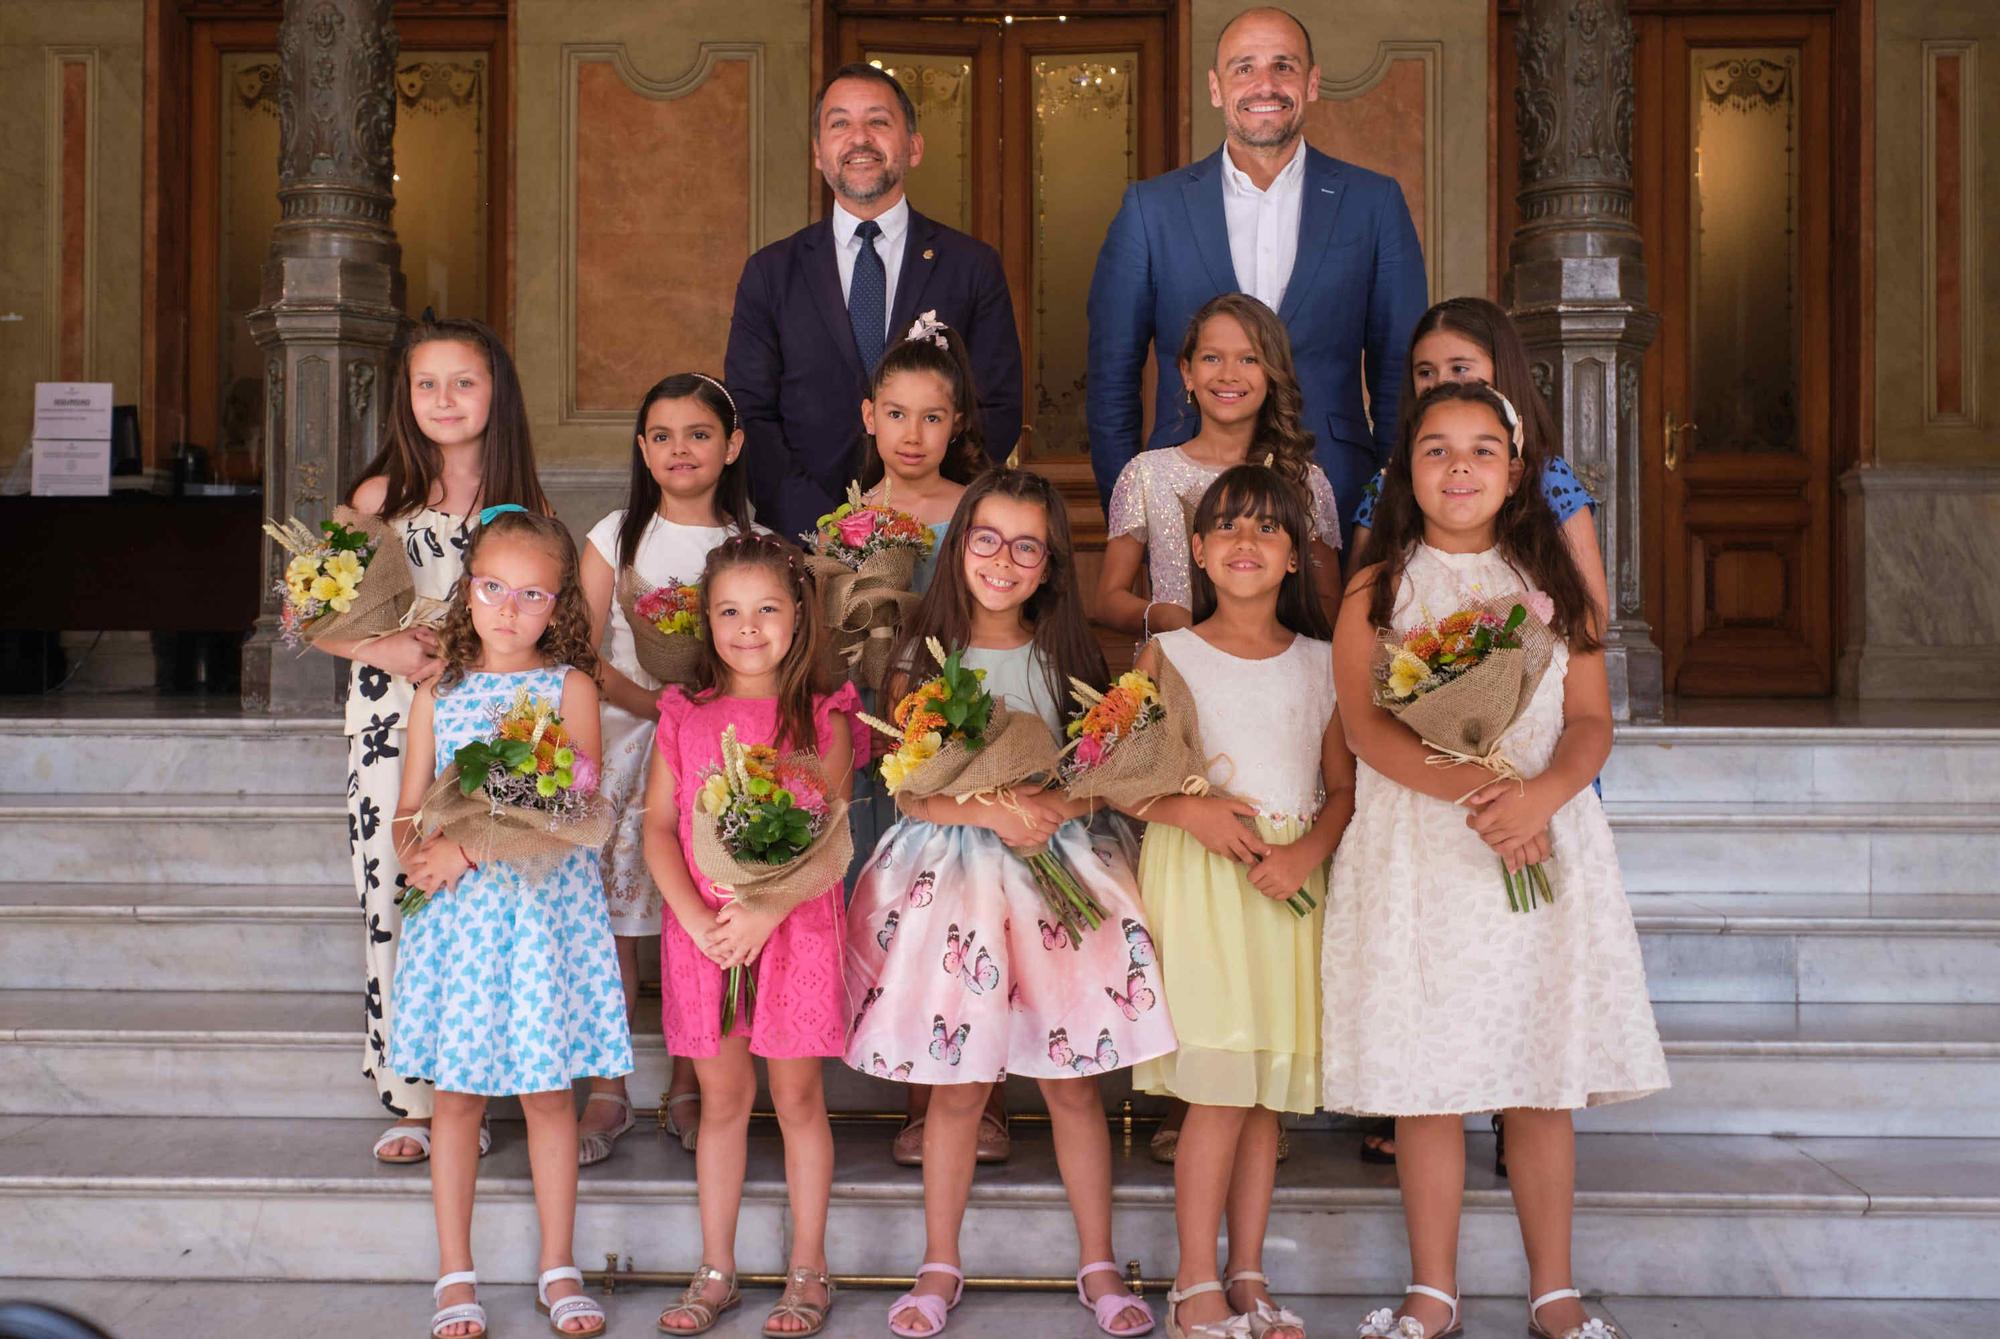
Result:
x=1441 y=1001
x=688 y=492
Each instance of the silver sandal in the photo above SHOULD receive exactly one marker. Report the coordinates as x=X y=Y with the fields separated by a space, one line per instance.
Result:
x=595 y=1147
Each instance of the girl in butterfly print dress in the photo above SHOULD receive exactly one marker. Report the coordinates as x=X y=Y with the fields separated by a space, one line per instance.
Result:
x=761 y=674
x=955 y=975
x=689 y=491
x=1239 y=967
x=457 y=439
x=509 y=985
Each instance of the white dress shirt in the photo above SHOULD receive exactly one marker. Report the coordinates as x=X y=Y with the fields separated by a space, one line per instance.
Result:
x=1263 y=226
x=889 y=246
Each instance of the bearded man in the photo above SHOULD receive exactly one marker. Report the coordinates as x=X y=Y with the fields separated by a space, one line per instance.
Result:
x=1327 y=245
x=815 y=311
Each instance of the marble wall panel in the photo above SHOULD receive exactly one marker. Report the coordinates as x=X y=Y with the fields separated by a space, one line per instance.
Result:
x=1382 y=122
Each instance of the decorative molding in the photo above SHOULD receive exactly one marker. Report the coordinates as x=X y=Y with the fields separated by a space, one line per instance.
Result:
x=1431 y=55
x=1954 y=480
x=1962 y=53
x=575 y=56
x=55 y=259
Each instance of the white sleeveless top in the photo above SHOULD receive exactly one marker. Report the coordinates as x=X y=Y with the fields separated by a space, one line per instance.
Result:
x=1264 y=717
x=668 y=553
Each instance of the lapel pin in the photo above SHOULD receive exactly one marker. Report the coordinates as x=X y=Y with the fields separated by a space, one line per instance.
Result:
x=929 y=254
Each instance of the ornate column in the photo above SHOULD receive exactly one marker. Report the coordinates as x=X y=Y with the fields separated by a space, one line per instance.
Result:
x=333 y=295
x=1576 y=282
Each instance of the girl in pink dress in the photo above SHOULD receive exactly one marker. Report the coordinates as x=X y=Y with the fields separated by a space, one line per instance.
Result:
x=760 y=675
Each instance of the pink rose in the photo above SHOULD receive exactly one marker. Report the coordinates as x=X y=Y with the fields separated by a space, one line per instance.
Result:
x=1541 y=606
x=583 y=774
x=855 y=527
x=1089 y=750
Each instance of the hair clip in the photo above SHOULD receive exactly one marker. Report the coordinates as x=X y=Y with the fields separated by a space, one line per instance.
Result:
x=1512 y=416
x=500 y=508
x=927 y=326
x=730 y=399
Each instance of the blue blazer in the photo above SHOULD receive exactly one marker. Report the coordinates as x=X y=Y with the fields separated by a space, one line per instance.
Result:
x=1357 y=288
x=798 y=379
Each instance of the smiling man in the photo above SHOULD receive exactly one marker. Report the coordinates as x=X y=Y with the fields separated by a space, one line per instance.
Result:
x=815 y=311
x=1327 y=245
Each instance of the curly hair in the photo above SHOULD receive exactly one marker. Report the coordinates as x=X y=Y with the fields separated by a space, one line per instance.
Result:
x=1281 y=431
x=803 y=673
x=565 y=641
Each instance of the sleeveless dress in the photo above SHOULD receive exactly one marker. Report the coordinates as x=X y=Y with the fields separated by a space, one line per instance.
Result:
x=954 y=973
x=1242 y=970
x=800 y=1008
x=1154 y=501
x=668 y=554
x=377 y=715
x=509 y=986
x=1440 y=1000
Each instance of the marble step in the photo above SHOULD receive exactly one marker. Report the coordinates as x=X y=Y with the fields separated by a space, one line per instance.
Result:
x=1657 y=1216
x=219 y=755
x=182 y=839
x=1700 y=947
x=146 y=1309
x=1794 y=765
x=1836 y=1070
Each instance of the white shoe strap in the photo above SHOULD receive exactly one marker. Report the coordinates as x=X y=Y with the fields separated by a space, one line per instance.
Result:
x=556 y=1275
x=464 y=1313
x=1197 y=1290
x=453 y=1280
x=1253 y=1275
x=1424 y=1290
x=1556 y=1296
x=609 y=1097
x=576 y=1305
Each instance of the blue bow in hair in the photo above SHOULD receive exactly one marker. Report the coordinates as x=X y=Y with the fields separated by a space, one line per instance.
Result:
x=486 y=517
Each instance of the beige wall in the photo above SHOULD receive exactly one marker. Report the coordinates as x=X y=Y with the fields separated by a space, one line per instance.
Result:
x=108 y=35
x=1908 y=316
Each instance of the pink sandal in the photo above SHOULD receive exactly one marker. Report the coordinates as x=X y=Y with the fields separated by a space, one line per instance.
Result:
x=930 y=1306
x=1113 y=1304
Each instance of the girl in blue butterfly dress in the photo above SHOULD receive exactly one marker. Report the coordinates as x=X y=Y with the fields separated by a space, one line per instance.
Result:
x=508 y=986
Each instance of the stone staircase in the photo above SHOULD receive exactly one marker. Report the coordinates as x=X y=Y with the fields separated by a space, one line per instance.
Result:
x=179 y=1047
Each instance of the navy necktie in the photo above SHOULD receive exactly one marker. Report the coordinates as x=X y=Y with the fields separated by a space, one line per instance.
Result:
x=868 y=298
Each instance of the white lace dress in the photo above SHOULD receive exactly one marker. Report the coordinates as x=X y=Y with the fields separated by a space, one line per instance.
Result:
x=1440 y=1000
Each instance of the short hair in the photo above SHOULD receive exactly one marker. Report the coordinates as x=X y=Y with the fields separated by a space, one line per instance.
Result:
x=1216 y=62
x=861 y=69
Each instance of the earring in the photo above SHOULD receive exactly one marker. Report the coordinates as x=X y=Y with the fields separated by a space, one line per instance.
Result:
x=1190 y=395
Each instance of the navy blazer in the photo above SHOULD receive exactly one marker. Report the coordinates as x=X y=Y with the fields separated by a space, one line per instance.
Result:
x=1357 y=287
x=798 y=379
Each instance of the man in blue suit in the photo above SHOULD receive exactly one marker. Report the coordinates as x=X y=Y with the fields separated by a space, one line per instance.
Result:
x=815 y=311
x=1329 y=246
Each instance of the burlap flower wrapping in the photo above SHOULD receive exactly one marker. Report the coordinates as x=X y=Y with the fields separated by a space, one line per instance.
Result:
x=822 y=865
x=864 y=608
x=1463 y=720
x=670 y=657
x=1018 y=748
x=385 y=595
x=532 y=841
x=1165 y=758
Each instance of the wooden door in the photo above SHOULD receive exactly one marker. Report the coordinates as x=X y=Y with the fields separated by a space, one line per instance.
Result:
x=1033 y=127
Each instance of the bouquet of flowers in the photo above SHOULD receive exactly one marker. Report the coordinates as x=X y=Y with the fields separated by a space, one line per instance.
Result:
x=1460 y=683
x=953 y=738
x=524 y=795
x=323 y=592
x=1137 y=742
x=766 y=826
x=666 y=626
x=864 y=560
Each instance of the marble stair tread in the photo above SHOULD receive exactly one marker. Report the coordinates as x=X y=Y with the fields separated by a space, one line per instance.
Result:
x=1842 y=816
x=289 y=901
x=1808 y=913
x=110 y=804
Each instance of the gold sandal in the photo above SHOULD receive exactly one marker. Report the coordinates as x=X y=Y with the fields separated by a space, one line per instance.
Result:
x=792 y=1306
x=705 y=1312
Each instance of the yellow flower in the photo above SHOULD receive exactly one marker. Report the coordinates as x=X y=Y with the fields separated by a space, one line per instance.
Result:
x=299 y=572
x=344 y=567
x=714 y=797
x=1405 y=673
x=1139 y=685
x=896 y=768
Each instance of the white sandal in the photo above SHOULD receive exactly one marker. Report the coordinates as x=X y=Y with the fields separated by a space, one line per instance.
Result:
x=1590 y=1329
x=595 y=1146
x=458 y=1313
x=569 y=1308
x=687 y=1133
x=1382 y=1323
x=1263 y=1317
x=420 y=1135
x=1236 y=1327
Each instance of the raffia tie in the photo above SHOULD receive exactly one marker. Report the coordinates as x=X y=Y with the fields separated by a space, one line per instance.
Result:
x=1492 y=762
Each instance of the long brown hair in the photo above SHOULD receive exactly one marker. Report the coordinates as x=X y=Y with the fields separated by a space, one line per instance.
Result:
x=1488 y=325
x=1281 y=431
x=802 y=673
x=1256 y=492
x=411 y=462
x=1062 y=635
x=965 y=459
x=642 y=494
x=565 y=641
x=1525 y=531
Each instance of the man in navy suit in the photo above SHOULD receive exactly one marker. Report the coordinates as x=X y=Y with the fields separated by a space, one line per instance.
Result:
x=815 y=311
x=1327 y=245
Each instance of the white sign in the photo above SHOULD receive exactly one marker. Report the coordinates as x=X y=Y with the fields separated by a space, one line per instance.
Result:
x=72 y=441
